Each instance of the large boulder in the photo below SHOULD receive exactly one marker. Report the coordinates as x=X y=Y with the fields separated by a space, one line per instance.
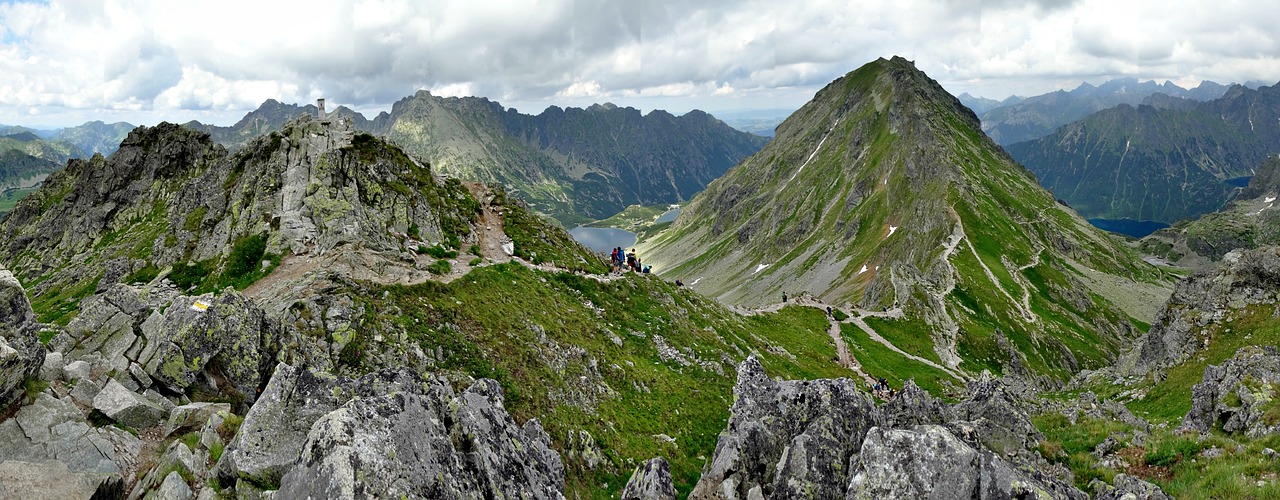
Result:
x=209 y=340
x=997 y=416
x=787 y=438
x=21 y=354
x=1240 y=394
x=271 y=437
x=127 y=407
x=426 y=442
x=930 y=462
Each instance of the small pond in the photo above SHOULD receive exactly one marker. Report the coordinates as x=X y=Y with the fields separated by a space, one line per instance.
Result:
x=668 y=216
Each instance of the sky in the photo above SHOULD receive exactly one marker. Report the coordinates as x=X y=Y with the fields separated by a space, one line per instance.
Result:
x=65 y=62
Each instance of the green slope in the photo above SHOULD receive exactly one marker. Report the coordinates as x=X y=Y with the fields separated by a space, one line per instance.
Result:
x=883 y=192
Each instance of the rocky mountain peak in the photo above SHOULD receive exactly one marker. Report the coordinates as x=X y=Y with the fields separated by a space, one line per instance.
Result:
x=883 y=194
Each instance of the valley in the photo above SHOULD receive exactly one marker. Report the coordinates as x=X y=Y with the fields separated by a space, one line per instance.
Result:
x=311 y=304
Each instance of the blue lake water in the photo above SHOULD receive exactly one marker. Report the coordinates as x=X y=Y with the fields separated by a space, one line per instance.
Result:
x=668 y=216
x=1134 y=228
x=1238 y=181
x=603 y=239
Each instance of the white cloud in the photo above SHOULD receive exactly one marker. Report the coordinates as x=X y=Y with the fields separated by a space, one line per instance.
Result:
x=161 y=58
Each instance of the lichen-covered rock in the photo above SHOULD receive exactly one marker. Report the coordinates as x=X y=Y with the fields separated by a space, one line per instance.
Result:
x=198 y=337
x=650 y=481
x=52 y=480
x=20 y=351
x=1126 y=487
x=106 y=325
x=426 y=442
x=275 y=428
x=930 y=462
x=787 y=438
x=1241 y=394
x=1000 y=421
x=173 y=488
x=127 y=407
x=913 y=406
x=55 y=429
x=190 y=416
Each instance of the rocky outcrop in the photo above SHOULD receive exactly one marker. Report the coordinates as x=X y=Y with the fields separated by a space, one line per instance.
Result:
x=825 y=439
x=787 y=437
x=1126 y=487
x=153 y=337
x=313 y=435
x=650 y=481
x=1247 y=277
x=127 y=407
x=21 y=354
x=426 y=442
x=52 y=435
x=1239 y=394
x=224 y=341
x=928 y=461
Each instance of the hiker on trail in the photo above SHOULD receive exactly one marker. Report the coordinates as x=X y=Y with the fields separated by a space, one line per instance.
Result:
x=829 y=312
x=646 y=270
x=679 y=283
x=631 y=260
x=784 y=297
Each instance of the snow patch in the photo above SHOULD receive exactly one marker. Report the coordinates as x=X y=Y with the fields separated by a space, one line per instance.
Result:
x=758 y=269
x=892 y=229
x=696 y=281
x=863 y=270
x=1269 y=199
x=815 y=151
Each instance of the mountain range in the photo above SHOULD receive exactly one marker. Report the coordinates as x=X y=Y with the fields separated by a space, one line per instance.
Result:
x=1019 y=119
x=879 y=303
x=1149 y=163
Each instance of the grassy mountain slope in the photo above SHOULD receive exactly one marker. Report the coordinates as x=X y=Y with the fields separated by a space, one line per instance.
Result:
x=882 y=192
x=331 y=232
x=95 y=136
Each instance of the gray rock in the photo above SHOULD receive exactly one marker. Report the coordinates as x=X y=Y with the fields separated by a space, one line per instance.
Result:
x=127 y=407
x=21 y=354
x=76 y=370
x=84 y=392
x=426 y=442
x=1127 y=487
x=51 y=369
x=55 y=429
x=177 y=459
x=191 y=416
x=1245 y=277
x=174 y=488
x=275 y=428
x=582 y=449
x=106 y=325
x=1237 y=394
x=930 y=462
x=913 y=406
x=1000 y=421
x=52 y=480
x=228 y=335
x=650 y=481
x=139 y=375
x=787 y=438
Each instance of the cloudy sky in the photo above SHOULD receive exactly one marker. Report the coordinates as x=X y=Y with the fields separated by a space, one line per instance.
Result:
x=63 y=62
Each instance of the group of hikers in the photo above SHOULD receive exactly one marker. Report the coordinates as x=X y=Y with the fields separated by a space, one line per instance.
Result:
x=882 y=390
x=623 y=260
